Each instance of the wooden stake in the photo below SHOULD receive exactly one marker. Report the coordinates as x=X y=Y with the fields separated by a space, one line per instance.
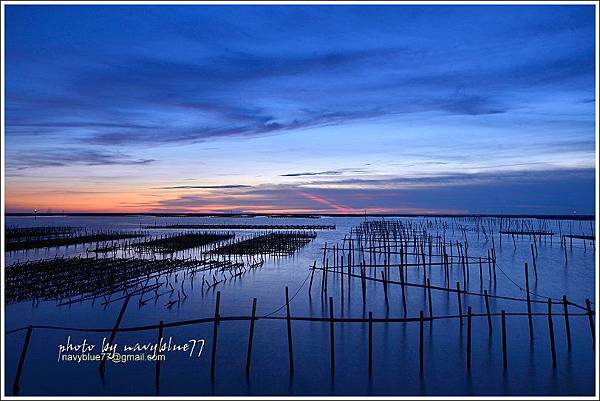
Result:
x=551 y=332
x=429 y=298
x=480 y=273
x=342 y=282
x=323 y=278
x=528 y=303
x=504 y=355
x=349 y=276
x=370 y=343
x=567 y=324
x=447 y=270
x=459 y=302
x=251 y=337
x=158 y=353
x=16 y=384
x=214 y=339
x=421 y=340
x=364 y=284
x=383 y=280
x=114 y=333
x=489 y=269
x=469 y=338
x=487 y=308
x=534 y=264
x=331 y=337
x=311 y=276
x=289 y=331
x=403 y=291
x=326 y=275
x=494 y=265
x=591 y=320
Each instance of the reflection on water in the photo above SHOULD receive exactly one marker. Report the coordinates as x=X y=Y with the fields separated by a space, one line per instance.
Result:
x=395 y=345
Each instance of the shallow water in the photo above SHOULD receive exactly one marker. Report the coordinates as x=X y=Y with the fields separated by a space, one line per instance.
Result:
x=395 y=345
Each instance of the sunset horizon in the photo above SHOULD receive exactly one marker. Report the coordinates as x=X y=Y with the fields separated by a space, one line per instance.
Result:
x=390 y=110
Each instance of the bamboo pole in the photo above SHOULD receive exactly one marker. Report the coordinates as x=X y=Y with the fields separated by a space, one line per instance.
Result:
x=480 y=274
x=469 y=338
x=384 y=282
x=251 y=337
x=429 y=298
x=370 y=343
x=504 y=354
x=342 y=283
x=312 y=273
x=158 y=354
x=404 y=307
x=114 y=333
x=487 y=309
x=591 y=320
x=331 y=337
x=551 y=332
x=214 y=339
x=534 y=264
x=16 y=384
x=349 y=275
x=364 y=284
x=567 y=324
x=459 y=302
x=529 y=318
x=421 y=342
x=289 y=331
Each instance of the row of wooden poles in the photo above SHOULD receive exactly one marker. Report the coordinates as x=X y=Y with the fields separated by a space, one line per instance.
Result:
x=536 y=236
x=331 y=320
x=420 y=258
x=326 y=270
x=67 y=240
x=420 y=261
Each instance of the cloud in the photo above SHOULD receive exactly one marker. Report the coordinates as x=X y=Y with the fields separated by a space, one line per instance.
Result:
x=161 y=99
x=252 y=126
x=456 y=193
x=206 y=187
x=329 y=172
x=70 y=157
x=341 y=171
x=515 y=174
x=153 y=100
x=473 y=105
x=81 y=124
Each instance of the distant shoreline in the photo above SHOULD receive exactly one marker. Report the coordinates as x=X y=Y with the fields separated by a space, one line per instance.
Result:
x=312 y=215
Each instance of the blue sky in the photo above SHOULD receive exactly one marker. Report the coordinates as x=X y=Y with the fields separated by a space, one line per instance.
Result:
x=407 y=109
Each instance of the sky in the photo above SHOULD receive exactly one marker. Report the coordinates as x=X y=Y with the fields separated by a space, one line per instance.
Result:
x=300 y=109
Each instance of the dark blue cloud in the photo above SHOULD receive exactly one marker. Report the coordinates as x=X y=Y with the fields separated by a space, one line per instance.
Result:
x=71 y=157
x=530 y=192
x=236 y=186
x=344 y=63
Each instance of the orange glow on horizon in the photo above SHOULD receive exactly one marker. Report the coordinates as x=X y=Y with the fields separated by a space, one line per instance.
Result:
x=123 y=200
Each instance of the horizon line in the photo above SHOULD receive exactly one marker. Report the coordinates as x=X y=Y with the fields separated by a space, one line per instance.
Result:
x=309 y=215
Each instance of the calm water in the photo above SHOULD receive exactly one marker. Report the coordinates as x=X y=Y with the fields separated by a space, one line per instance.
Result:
x=396 y=345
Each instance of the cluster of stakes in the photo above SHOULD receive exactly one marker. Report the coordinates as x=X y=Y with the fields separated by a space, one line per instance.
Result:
x=271 y=243
x=133 y=268
x=53 y=237
x=388 y=254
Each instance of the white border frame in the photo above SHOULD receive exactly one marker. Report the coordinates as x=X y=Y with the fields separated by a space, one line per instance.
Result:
x=129 y=2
